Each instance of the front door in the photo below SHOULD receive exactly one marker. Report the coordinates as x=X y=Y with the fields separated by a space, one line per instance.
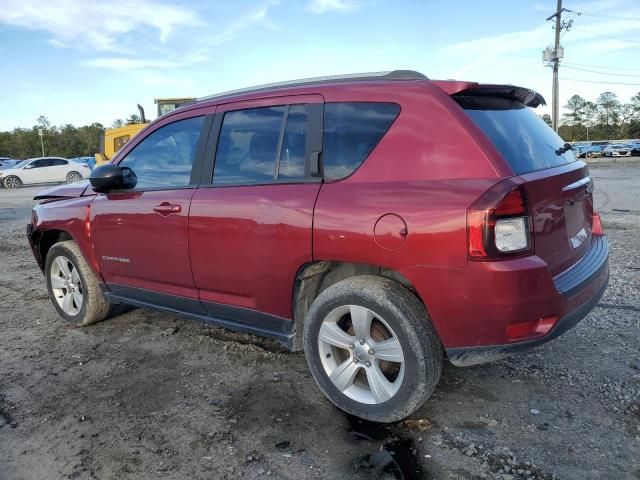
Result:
x=141 y=235
x=250 y=229
x=38 y=171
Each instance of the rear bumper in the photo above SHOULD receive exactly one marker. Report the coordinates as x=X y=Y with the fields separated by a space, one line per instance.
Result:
x=577 y=291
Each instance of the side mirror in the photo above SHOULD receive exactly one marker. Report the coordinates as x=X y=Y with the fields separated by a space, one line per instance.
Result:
x=28 y=166
x=112 y=177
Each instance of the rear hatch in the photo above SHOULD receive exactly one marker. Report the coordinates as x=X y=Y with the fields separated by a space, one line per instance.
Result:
x=558 y=187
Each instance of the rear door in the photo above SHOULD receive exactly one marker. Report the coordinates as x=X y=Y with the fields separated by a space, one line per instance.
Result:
x=141 y=235
x=58 y=170
x=251 y=226
x=558 y=186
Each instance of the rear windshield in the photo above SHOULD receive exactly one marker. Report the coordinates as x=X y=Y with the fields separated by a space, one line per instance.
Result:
x=525 y=141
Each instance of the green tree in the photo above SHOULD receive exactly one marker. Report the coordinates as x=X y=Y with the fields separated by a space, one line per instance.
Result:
x=117 y=123
x=547 y=118
x=133 y=118
x=575 y=116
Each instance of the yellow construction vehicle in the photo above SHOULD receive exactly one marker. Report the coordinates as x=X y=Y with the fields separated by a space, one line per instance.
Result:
x=115 y=138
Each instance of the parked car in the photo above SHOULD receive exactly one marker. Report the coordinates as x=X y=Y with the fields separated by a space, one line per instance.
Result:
x=6 y=162
x=43 y=170
x=617 y=150
x=635 y=149
x=592 y=151
x=88 y=161
x=380 y=223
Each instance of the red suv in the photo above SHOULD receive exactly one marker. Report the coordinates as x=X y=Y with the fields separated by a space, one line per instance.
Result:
x=380 y=223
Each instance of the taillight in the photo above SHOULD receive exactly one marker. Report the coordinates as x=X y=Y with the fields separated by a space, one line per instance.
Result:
x=498 y=223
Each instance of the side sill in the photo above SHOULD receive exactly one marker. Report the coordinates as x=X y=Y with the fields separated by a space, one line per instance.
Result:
x=284 y=339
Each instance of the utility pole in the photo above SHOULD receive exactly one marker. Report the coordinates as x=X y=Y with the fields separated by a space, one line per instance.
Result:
x=40 y=132
x=556 y=61
x=553 y=56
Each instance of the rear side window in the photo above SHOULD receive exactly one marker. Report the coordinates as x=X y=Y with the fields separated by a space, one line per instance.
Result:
x=262 y=145
x=525 y=141
x=351 y=132
x=56 y=162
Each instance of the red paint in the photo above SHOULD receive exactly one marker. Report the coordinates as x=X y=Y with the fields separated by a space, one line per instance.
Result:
x=405 y=209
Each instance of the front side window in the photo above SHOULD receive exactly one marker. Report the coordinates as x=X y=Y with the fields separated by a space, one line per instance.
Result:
x=351 y=132
x=164 y=158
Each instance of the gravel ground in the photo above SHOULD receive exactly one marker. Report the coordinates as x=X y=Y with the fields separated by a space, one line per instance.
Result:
x=151 y=396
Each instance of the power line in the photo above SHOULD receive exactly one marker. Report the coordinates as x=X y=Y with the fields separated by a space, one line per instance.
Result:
x=607 y=36
x=601 y=73
x=601 y=66
x=595 y=81
x=635 y=19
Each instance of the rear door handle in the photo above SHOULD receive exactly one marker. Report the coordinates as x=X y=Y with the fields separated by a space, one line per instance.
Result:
x=166 y=208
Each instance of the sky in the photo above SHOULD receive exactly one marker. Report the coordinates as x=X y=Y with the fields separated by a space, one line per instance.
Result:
x=82 y=61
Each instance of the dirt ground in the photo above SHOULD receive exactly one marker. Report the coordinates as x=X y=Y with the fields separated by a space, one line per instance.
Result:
x=151 y=396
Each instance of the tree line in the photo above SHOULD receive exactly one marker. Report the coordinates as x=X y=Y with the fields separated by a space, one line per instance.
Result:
x=59 y=141
x=605 y=119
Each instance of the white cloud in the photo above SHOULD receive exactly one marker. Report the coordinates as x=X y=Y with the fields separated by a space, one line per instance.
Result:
x=258 y=16
x=94 y=25
x=324 y=6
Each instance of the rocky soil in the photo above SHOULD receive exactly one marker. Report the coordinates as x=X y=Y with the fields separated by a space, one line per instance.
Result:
x=151 y=396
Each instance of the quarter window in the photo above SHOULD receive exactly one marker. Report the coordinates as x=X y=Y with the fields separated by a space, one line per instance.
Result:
x=351 y=132
x=165 y=157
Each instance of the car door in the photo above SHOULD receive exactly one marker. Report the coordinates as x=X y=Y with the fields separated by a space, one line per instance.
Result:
x=250 y=226
x=58 y=170
x=141 y=235
x=37 y=171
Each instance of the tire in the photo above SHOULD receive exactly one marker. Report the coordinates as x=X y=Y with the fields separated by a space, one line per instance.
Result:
x=73 y=177
x=12 y=182
x=400 y=318
x=90 y=306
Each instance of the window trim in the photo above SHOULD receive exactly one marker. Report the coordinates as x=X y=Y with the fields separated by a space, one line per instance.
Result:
x=196 y=166
x=313 y=139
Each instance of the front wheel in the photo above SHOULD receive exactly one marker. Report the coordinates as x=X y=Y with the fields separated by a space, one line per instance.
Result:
x=73 y=177
x=372 y=349
x=12 y=182
x=73 y=287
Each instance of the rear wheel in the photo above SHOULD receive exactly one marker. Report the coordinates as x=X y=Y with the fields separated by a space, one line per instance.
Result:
x=372 y=349
x=73 y=287
x=73 y=177
x=12 y=182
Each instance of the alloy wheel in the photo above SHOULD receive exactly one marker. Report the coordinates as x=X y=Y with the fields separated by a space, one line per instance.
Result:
x=66 y=285
x=361 y=354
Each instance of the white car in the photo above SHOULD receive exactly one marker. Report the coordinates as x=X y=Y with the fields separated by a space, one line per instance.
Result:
x=43 y=170
x=617 y=150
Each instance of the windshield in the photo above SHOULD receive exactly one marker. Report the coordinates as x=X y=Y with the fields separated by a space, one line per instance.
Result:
x=525 y=141
x=21 y=164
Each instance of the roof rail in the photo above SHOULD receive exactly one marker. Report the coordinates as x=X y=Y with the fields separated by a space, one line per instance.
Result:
x=351 y=77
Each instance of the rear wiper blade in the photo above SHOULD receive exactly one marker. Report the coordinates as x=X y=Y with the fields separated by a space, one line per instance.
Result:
x=565 y=148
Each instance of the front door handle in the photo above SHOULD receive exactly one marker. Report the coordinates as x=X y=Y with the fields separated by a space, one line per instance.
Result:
x=166 y=208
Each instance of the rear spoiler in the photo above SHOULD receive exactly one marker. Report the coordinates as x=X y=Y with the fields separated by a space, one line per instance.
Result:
x=528 y=97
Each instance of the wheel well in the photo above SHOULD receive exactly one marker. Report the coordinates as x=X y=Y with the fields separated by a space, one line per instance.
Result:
x=313 y=278
x=46 y=240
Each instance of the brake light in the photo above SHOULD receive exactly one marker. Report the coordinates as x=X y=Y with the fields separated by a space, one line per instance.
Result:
x=498 y=223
